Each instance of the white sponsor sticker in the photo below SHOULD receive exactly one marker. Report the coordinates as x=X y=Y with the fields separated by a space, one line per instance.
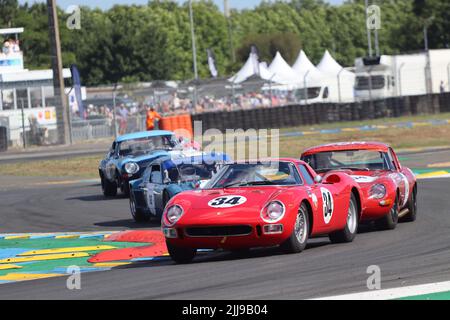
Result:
x=328 y=204
x=405 y=179
x=227 y=201
x=364 y=179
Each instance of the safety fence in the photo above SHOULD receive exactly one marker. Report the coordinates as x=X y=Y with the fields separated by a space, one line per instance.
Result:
x=290 y=115
x=299 y=115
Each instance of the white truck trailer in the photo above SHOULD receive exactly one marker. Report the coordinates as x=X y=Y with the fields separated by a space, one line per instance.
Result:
x=402 y=75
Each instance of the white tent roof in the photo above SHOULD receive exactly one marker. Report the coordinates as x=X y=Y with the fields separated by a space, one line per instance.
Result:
x=248 y=71
x=330 y=67
x=304 y=67
x=283 y=72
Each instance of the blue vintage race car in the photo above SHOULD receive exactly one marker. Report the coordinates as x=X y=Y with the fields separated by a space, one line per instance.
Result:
x=130 y=155
x=168 y=176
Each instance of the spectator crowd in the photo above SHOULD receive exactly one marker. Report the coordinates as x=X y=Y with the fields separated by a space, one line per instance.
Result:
x=9 y=47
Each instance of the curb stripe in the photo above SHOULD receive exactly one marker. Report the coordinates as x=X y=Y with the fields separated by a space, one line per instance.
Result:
x=396 y=293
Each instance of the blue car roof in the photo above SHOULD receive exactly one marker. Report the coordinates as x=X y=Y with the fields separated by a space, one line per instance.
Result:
x=207 y=157
x=143 y=135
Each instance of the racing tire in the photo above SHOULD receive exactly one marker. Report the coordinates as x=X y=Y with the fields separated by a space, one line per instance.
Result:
x=138 y=214
x=166 y=199
x=125 y=188
x=299 y=237
x=351 y=228
x=181 y=255
x=390 y=221
x=109 y=189
x=412 y=207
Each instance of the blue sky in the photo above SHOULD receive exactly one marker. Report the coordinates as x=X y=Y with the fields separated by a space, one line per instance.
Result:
x=105 y=4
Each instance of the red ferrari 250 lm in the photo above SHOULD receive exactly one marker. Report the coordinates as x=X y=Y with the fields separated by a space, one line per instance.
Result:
x=262 y=204
x=389 y=191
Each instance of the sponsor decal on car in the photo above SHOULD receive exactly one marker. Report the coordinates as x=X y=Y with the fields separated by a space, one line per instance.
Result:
x=328 y=205
x=364 y=179
x=227 y=202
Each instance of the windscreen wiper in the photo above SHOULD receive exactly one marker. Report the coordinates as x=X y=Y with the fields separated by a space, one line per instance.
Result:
x=245 y=184
x=354 y=169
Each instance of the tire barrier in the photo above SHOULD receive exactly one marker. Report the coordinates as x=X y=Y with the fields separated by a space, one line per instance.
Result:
x=3 y=139
x=314 y=114
x=176 y=123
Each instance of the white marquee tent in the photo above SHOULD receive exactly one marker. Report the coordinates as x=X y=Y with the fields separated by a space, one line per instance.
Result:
x=283 y=73
x=338 y=77
x=252 y=68
x=307 y=72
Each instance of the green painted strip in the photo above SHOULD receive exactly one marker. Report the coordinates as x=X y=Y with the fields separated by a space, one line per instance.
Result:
x=49 y=266
x=441 y=296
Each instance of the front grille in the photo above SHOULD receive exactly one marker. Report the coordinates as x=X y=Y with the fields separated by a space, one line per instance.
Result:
x=227 y=231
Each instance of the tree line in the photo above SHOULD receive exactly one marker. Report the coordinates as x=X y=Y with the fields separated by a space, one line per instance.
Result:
x=153 y=42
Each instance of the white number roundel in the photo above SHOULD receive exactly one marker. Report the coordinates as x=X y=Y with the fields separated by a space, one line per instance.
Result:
x=328 y=205
x=227 y=201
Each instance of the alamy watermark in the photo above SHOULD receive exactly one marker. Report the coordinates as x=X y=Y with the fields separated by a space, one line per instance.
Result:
x=374 y=280
x=74 y=280
x=73 y=22
x=373 y=17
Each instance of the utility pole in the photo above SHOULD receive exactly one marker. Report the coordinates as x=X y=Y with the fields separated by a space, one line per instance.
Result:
x=62 y=118
x=227 y=12
x=194 y=51
x=429 y=81
x=369 y=35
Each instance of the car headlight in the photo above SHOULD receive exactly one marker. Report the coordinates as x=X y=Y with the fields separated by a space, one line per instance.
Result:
x=378 y=191
x=131 y=168
x=173 y=215
x=273 y=212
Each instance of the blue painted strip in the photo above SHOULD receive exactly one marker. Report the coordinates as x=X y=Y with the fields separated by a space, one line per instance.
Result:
x=331 y=131
x=6 y=281
x=82 y=270
x=12 y=252
x=91 y=236
x=43 y=237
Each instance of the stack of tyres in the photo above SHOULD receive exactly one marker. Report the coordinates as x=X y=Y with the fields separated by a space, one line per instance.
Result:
x=3 y=139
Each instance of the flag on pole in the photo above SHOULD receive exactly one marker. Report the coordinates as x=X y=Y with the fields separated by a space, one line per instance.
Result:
x=255 y=59
x=77 y=88
x=212 y=63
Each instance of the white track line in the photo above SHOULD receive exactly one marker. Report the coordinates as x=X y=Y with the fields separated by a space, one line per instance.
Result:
x=395 y=293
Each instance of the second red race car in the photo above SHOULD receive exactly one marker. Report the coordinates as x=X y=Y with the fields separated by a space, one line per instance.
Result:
x=262 y=204
x=389 y=189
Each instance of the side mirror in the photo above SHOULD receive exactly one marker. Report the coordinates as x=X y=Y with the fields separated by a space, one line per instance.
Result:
x=318 y=179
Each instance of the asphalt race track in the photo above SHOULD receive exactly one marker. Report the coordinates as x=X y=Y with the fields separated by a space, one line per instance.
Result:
x=415 y=253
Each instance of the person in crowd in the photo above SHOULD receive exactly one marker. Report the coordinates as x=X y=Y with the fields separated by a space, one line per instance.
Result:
x=123 y=115
x=6 y=47
x=442 y=87
x=152 y=116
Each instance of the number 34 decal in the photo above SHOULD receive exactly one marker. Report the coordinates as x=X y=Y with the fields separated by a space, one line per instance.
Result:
x=227 y=201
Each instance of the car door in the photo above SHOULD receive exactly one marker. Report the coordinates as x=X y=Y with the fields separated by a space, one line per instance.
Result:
x=110 y=167
x=403 y=182
x=329 y=201
x=153 y=188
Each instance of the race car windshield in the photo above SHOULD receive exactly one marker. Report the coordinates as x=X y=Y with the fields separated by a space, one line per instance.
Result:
x=260 y=174
x=138 y=147
x=355 y=160
x=193 y=172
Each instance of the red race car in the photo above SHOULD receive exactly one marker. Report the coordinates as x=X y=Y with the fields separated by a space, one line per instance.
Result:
x=262 y=204
x=389 y=190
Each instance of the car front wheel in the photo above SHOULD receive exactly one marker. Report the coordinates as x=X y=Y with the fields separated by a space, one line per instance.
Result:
x=351 y=228
x=181 y=255
x=109 y=188
x=299 y=237
x=390 y=221
x=138 y=214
